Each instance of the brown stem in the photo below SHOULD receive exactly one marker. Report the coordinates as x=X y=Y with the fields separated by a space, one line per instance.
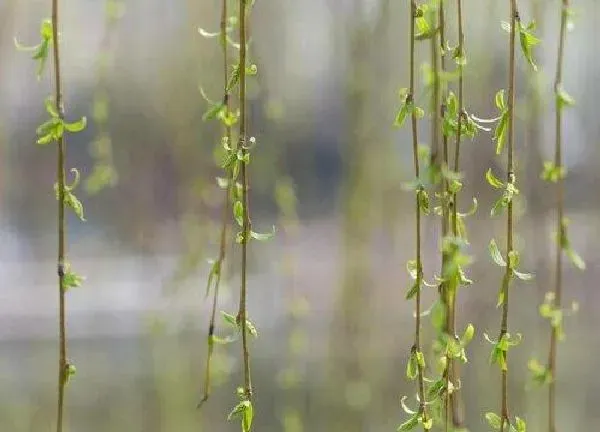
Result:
x=559 y=222
x=410 y=99
x=445 y=295
x=60 y=171
x=505 y=418
x=225 y=215
x=454 y=398
x=246 y=210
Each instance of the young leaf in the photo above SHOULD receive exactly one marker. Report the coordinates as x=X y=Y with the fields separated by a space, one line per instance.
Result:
x=238 y=213
x=493 y=180
x=493 y=420
x=500 y=132
x=528 y=41
x=563 y=99
x=77 y=126
x=409 y=424
x=495 y=253
x=500 y=104
x=575 y=258
x=263 y=236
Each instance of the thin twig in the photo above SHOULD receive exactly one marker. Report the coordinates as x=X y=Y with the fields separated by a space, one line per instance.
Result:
x=410 y=98
x=504 y=417
x=559 y=221
x=454 y=399
x=444 y=286
x=225 y=216
x=245 y=201
x=60 y=171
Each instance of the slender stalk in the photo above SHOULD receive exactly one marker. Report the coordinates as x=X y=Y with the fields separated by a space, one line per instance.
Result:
x=435 y=104
x=444 y=287
x=505 y=419
x=60 y=172
x=559 y=215
x=241 y=317
x=454 y=399
x=225 y=216
x=417 y=342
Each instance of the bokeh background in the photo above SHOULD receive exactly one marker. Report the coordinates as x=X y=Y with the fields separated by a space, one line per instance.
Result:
x=327 y=294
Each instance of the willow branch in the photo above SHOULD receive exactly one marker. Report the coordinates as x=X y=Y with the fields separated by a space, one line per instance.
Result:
x=241 y=317
x=225 y=216
x=505 y=419
x=60 y=172
x=559 y=222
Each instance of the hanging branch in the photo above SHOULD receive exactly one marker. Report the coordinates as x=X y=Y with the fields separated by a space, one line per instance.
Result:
x=511 y=260
x=416 y=363
x=51 y=131
x=214 y=277
x=246 y=226
x=60 y=170
x=554 y=172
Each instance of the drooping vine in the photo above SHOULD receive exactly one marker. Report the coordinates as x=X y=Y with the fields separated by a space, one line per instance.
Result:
x=223 y=112
x=235 y=163
x=104 y=172
x=416 y=362
x=510 y=261
x=53 y=131
x=554 y=172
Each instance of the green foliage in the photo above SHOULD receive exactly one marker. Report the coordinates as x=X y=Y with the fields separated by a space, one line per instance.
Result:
x=243 y=410
x=526 y=38
x=501 y=348
x=70 y=200
x=497 y=423
x=502 y=125
x=565 y=245
x=407 y=108
x=53 y=129
x=508 y=193
x=41 y=50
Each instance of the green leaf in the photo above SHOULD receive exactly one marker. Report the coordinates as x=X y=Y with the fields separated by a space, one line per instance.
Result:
x=207 y=34
x=493 y=180
x=413 y=290
x=495 y=253
x=214 y=111
x=467 y=335
x=406 y=109
x=215 y=269
x=412 y=367
x=500 y=104
x=493 y=420
x=229 y=319
x=520 y=425
x=238 y=212
x=423 y=198
x=575 y=258
x=244 y=410
x=263 y=236
x=500 y=132
x=528 y=41
x=563 y=99
x=409 y=424
x=51 y=107
x=223 y=182
x=77 y=126
x=523 y=276
x=513 y=259
x=72 y=280
x=553 y=173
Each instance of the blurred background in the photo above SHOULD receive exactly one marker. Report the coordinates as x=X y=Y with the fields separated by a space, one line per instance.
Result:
x=327 y=294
